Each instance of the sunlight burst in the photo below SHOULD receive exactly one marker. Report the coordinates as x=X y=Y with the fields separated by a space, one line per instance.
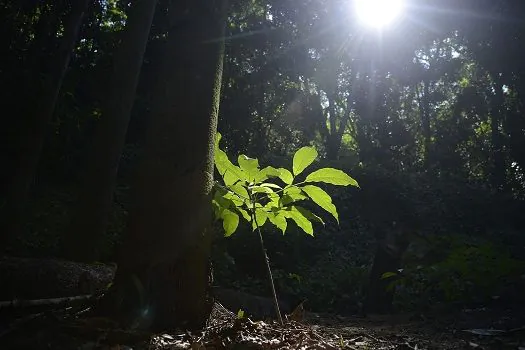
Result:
x=378 y=13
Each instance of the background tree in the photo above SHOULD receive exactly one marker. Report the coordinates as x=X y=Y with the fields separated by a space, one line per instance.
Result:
x=94 y=203
x=50 y=60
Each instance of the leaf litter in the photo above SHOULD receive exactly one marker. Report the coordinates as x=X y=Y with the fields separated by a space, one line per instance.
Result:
x=70 y=328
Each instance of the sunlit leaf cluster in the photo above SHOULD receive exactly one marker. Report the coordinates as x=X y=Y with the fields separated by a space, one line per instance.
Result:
x=272 y=194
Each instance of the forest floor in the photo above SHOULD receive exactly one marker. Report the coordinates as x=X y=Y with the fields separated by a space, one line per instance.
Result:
x=40 y=324
x=65 y=328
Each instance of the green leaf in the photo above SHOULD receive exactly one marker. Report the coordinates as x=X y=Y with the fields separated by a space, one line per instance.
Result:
x=309 y=215
x=230 y=222
x=266 y=173
x=221 y=200
x=300 y=220
x=260 y=216
x=216 y=209
x=303 y=158
x=240 y=314
x=261 y=189
x=291 y=197
x=267 y=184
x=224 y=200
x=295 y=193
x=285 y=200
x=331 y=176
x=286 y=176
x=388 y=275
x=295 y=276
x=229 y=172
x=236 y=200
x=279 y=220
x=322 y=199
x=244 y=214
x=249 y=165
x=273 y=203
x=218 y=138
x=240 y=191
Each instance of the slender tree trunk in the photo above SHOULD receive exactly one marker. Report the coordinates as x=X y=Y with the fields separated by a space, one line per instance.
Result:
x=391 y=247
x=31 y=139
x=338 y=137
x=496 y=117
x=363 y=115
x=315 y=115
x=516 y=126
x=162 y=279
x=425 y=123
x=332 y=149
x=96 y=196
x=516 y=130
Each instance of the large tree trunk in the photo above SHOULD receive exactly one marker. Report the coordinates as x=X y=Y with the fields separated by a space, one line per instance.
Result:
x=96 y=196
x=31 y=139
x=163 y=272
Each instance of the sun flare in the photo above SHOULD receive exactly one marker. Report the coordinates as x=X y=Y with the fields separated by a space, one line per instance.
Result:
x=378 y=13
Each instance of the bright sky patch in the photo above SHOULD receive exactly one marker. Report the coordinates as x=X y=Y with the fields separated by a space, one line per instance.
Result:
x=378 y=13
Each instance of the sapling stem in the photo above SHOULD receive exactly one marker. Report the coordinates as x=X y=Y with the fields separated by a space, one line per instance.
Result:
x=267 y=261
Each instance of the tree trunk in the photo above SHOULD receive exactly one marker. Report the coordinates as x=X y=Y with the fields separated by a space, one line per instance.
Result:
x=163 y=271
x=496 y=117
x=364 y=113
x=515 y=127
x=338 y=137
x=388 y=256
x=425 y=122
x=332 y=149
x=96 y=196
x=32 y=134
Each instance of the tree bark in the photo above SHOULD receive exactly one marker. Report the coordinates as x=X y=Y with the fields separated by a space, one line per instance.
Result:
x=162 y=279
x=31 y=139
x=94 y=203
